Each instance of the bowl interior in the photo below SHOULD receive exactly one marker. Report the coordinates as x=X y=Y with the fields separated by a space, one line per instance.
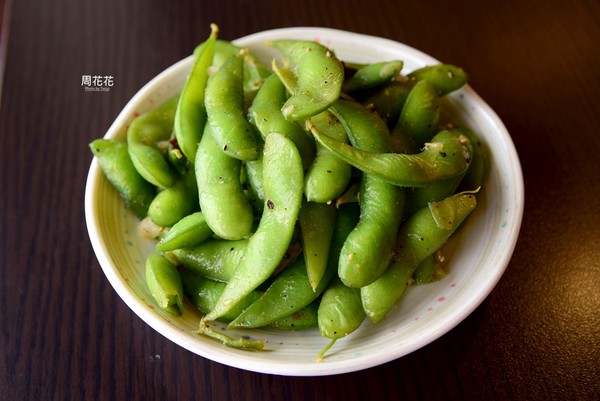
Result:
x=479 y=252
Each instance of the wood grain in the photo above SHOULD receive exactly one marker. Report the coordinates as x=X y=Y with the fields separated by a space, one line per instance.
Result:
x=66 y=335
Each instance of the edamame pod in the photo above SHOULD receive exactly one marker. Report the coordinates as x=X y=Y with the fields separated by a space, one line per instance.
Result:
x=477 y=171
x=116 y=165
x=304 y=319
x=419 y=197
x=350 y=195
x=365 y=129
x=267 y=246
x=340 y=313
x=190 y=116
x=319 y=75
x=327 y=176
x=372 y=75
x=174 y=203
x=368 y=249
x=265 y=113
x=445 y=78
x=164 y=283
x=429 y=270
x=214 y=258
x=254 y=172
x=188 y=232
x=388 y=101
x=204 y=294
x=224 y=101
x=317 y=223
x=144 y=135
x=254 y=72
x=418 y=119
x=291 y=289
x=226 y=208
x=175 y=157
x=447 y=155
x=419 y=237
x=286 y=75
x=289 y=292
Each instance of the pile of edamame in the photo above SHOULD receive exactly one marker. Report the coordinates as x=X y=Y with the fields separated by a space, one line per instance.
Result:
x=307 y=193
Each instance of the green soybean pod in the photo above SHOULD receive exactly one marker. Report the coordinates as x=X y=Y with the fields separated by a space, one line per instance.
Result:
x=319 y=76
x=365 y=130
x=187 y=232
x=445 y=78
x=447 y=155
x=164 y=283
x=388 y=101
x=190 y=115
x=269 y=243
x=254 y=71
x=304 y=319
x=419 y=237
x=372 y=75
x=175 y=156
x=224 y=101
x=205 y=292
x=116 y=165
x=368 y=249
x=265 y=113
x=291 y=290
x=419 y=197
x=254 y=177
x=226 y=208
x=286 y=75
x=475 y=175
x=216 y=259
x=418 y=118
x=348 y=216
x=428 y=271
x=340 y=313
x=317 y=224
x=350 y=195
x=144 y=136
x=327 y=176
x=174 y=203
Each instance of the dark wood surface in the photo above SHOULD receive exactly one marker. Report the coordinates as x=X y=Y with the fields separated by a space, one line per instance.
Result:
x=66 y=335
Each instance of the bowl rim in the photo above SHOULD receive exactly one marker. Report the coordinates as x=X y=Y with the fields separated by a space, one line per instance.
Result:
x=214 y=351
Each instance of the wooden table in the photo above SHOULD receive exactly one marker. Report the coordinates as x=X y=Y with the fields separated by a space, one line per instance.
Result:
x=66 y=335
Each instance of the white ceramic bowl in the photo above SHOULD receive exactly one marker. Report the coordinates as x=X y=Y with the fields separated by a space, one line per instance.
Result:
x=483 y=247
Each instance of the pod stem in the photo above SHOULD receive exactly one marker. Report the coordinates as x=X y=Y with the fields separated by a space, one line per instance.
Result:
x=239 y=343
x=321 y=355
